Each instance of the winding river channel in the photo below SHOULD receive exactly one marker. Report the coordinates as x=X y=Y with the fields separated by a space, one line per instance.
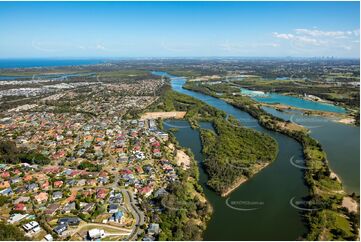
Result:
x=261 y=208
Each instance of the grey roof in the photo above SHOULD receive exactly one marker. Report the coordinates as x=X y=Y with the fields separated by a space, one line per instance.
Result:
x=60 y=228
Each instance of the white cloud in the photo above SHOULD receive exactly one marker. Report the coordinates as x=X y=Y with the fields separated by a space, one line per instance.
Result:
x=311 y=41
x=314 y=41
x=283 y=36
x=100 y=47
x=316 y=37
x=298 y=39
x=319 y=33
x=273 y=45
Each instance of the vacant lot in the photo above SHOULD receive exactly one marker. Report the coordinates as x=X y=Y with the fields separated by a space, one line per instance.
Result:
x=163 y=115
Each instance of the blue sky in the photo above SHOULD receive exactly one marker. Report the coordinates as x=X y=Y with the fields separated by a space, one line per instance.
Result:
x=179 y=29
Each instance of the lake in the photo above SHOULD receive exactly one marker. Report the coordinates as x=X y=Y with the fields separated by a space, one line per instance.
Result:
x=292 y=101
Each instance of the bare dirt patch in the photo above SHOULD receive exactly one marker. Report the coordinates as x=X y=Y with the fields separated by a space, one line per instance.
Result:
x=333 y=175
x=183 y=159
x=350 y=204
x=347 y=120
x=163 y=115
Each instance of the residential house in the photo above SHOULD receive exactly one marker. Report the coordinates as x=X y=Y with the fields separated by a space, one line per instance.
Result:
x=32 y=187
x=160 y=192
x=81 y=182
x=117 y=217
x=96 y=234
x=5 y=175
x=70 y=221
x=27 y=178
x=7 y=191
x=91 y=182
x=41 y=197
x=71 y=182
x=153 y=229
x=57 y=195
x=103 y=180
x=19 y=207
x=58 y=184
x=48 y=237
x=15 y=180
x=88 y=207
x=45 y=185
x=21 y=200
x=60 y=229
x=4 y=184
x=17 y=217
x=113 y=208
x=33 y=226
x=157 y=153
x=146 y=191
x=101 y=193
x=69 y=207
x=52 y=208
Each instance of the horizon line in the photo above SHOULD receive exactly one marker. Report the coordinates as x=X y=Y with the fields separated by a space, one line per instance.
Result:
x=176 y=57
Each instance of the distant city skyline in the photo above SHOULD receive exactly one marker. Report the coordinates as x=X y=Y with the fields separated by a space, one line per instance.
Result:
x=179 y=29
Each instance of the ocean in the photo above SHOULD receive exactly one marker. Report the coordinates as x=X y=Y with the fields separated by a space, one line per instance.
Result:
x=27 y=63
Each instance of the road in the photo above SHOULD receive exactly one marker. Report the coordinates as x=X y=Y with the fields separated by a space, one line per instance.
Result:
x=121 y=231
x=100 y=226
x=137 y=214
x=130 y=204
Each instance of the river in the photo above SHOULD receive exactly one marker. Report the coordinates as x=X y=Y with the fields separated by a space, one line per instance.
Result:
x=260 y=208
x=341 y=143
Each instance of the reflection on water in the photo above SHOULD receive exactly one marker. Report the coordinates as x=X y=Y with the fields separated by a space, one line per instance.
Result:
x=270 y=191
x=341 y=143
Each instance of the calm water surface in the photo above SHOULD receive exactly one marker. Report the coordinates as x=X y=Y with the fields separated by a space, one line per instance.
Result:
x=293 y=101
x=341 y=143
x=268 y=193
x=25 y=63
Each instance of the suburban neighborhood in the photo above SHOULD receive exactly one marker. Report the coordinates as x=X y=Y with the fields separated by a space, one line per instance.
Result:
x=90 y=173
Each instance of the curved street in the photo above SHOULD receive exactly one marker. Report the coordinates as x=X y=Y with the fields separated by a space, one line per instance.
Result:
x=137 y=214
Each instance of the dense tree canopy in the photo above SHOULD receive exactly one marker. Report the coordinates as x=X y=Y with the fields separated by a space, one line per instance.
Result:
x=10 y=153
x=233 y=152
x=11 y=232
